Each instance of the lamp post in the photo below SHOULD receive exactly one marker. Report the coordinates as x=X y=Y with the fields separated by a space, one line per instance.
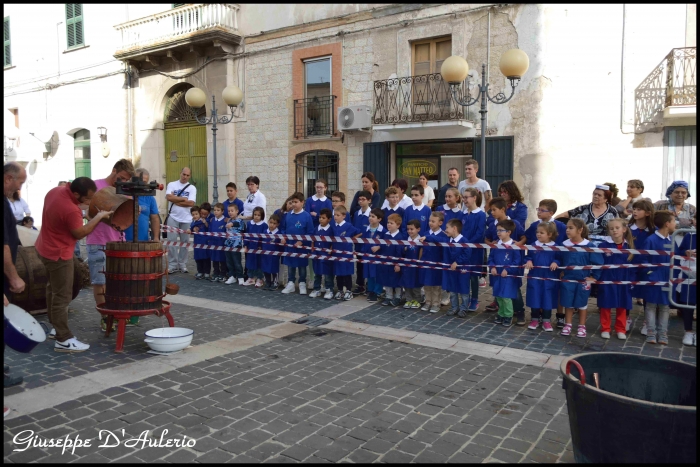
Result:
x=514 y=63
x=196 y=98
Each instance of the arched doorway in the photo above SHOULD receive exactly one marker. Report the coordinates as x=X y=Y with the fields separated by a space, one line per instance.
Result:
x=81 y=152
x=185 y=142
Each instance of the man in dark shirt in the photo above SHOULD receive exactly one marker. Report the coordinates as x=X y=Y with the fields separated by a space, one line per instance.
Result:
x=14 y=176
x=452 y=182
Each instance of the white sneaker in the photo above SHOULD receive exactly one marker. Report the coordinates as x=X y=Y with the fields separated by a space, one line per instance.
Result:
x=259 y=283
x=289 y=288
x=250 y=281
x=629 y=324
x=71 y=345
x=339 y=295
x=605 y=335
x=314 y=293
x=241 y=281
x=230 y=280
x=328 y=295
x=52 y=334
x=689 y=338
x=482 y=282
x=347 y=295
x=322 y=290
x=302 y=288
x=445 y=302
x=622 y=336
x=643 y=331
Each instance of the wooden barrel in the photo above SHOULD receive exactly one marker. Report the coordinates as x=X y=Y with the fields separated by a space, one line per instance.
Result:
x=33 y=273
x=134 y=275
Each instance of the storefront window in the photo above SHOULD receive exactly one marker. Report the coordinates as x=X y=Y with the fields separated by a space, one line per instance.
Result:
x=434 y=158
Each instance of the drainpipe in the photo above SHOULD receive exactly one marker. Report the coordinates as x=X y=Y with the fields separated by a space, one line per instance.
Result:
x=129 y=105
x=622 y=76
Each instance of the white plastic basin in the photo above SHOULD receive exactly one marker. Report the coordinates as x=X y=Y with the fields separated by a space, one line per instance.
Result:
x=169 y=339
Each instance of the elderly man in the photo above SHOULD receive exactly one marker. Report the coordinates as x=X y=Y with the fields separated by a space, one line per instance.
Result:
x=181 y=195
x=14 y=176
x=96 y=241
x=62 y=225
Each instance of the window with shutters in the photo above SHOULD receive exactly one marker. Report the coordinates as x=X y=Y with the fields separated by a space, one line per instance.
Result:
x=74 y=25
x=314 y=165
x=427 y=58
x=8 y=50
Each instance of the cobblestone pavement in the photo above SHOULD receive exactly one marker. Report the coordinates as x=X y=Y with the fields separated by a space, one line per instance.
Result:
x=256 y=388
x=321 y=396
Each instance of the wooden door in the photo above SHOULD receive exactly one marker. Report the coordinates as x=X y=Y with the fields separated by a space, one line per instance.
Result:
x=187 y=147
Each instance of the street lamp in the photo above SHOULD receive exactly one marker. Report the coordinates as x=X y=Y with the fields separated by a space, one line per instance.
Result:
x=514 y=63
x=196 y=98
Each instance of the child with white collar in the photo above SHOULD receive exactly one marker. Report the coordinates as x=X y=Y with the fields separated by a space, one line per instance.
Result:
x=323 y=267
x=542 y=282
x=298 y=222
x=360 y=220
x=474 y=231
x=271 y=263
x=456 y=281
x=504 y=264
x=315 y=203
x=432 y=278
x=252 y=258
x=451 y=208
x=418 y=210
x=373 y=230
x=343 y=269
x=390 y=276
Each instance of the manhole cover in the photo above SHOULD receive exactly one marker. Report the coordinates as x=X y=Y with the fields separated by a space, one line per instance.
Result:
x=311 y=321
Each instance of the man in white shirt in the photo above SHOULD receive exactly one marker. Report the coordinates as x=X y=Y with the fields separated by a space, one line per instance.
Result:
x=181 y=198
x=471 y=167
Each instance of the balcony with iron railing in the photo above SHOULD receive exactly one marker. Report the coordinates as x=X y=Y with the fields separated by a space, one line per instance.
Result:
x=314 y=117
x=670 y=90
x=187 y=28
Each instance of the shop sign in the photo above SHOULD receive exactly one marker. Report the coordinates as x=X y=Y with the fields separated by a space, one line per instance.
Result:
x=414 y=167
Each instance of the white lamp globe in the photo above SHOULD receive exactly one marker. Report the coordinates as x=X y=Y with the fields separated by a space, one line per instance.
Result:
x=195 y=98
x=454 y=69
x=514 y=63
x=232 y=95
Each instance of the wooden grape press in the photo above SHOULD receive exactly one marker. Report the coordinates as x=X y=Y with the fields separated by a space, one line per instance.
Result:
x=133 y=270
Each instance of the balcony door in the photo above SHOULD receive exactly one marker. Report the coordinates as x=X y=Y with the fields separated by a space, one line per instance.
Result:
x=430 y=94
x=318 y=103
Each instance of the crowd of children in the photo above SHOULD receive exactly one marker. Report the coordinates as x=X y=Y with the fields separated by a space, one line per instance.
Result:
x=452 y=272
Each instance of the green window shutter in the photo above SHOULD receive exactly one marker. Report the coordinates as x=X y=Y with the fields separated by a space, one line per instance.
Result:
x=74 y=25
x=175 y=5
x=7 y=53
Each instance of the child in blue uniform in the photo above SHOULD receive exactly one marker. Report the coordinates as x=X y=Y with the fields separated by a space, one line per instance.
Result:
x=431 y=279
x=542 y=284
x=545 y=213
x=409 y=275
x=343 y=269
x=323 y=267
x=218 y=257
x=451 y=208
x=657 y=321
x=205 y=216
x=298 y=222
x=338 y=199
x=390 y=276
x=315 y=203
x=392 y=197
x=504 y=265
x=574 y=295
x=231 y=192
x=642 y=225
x=418 y=210
x=271 y=263
x=360 y=220
x=686 y=293
x=234 y=228
x=515 y=209
x=252 y=259
x=456 y=281
x=201 y=256
x=282 y=213
x=618 y=296
x=373 y=230
x=474 y=231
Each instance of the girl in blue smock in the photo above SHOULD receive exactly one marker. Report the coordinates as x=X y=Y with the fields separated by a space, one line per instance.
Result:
x=253 y=260
x=374 y=230
x=343 y=269
x=218 y=225
x=323 y=267
x=431 y=279
x=574 y=295
x=270 y=264
x=201 y=256
x=451 y=208
x=642 y=225
x=315 y=203
x=542 y=282
x=474 y=231
x=409 y=274
x=387 y=276
x=456 y=281
x=618 y=296
x=686 y=293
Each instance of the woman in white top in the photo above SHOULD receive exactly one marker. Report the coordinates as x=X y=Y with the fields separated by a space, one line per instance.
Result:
x=20 y=208
x=255 y=198
x=429 y=194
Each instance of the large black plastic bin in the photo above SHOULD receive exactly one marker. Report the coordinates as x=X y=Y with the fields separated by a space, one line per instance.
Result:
x=644 y=411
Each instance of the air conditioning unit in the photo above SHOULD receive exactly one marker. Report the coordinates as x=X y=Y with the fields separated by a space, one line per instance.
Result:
x=354 y=118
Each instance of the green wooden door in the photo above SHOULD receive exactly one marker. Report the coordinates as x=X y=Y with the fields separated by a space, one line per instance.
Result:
x=82 y=168
x=187 y=147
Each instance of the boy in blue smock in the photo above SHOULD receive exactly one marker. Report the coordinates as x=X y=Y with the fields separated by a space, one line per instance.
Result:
x=474 y=230
x=218 y=258
x=231 y=192
x=654 y=297
x=505 y=266
x=409 y=275
x=271 y=263
x=389 y=276
x=431 y=279
x=392 y=197
x=373 y=230
x=256 y=225
x=360 y=220
x=201 y=256
x=456 y=280
x=323 y=267
x=418 y=210
x=343 y=269
x=298 y=222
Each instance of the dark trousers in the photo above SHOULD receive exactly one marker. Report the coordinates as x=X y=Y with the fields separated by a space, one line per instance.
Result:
x=360 y=280
x=474 y=287
x=219 y=268
x=344 y=281
x=538 y=313
x=203 y=266
x=270 y=278
x=234 y=264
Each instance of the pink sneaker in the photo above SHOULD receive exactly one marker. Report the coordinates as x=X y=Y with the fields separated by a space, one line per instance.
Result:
x=547 y=326
x=533 y=324
x=581 y=332
x=258 y=284
x=250 y=281
x=567 y=330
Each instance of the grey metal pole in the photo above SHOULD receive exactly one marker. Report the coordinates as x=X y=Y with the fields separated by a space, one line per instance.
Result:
x=483 y=111
x=213 y=129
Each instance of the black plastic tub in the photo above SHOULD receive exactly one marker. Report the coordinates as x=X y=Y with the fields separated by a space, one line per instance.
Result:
x=644 y=411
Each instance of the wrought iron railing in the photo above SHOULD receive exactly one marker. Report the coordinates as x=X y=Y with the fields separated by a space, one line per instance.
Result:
x=314 y=116
x=418 y=98
x=671 y=82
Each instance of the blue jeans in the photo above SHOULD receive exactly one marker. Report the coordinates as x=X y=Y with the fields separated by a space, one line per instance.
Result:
x=454 y=301
x=474 y=286
x=234 y=264
x=328 y=282
x=293 y=274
